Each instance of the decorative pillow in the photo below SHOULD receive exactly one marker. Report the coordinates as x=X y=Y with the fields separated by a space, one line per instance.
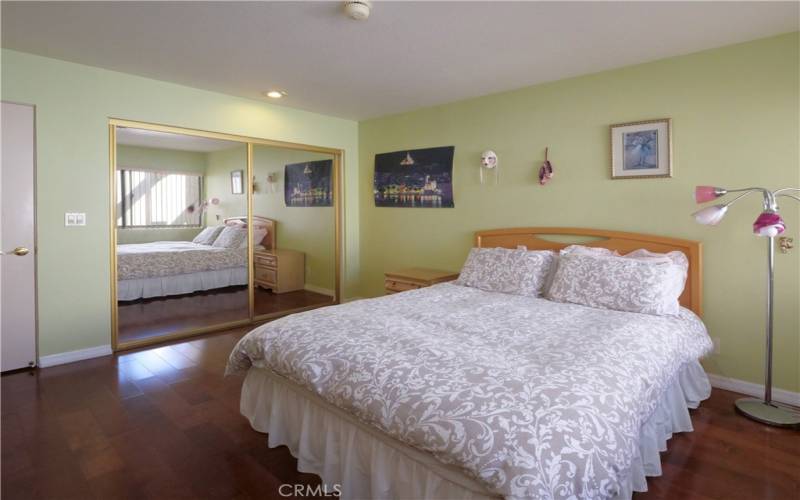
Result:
x=619 y=283
x=587 y=250
x=231 y=237
x=258 y=235
x=676 y=258
x=520 y=272
x=208 y=235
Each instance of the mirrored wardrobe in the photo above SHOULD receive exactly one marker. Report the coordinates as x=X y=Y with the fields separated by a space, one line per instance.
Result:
x=212 y=231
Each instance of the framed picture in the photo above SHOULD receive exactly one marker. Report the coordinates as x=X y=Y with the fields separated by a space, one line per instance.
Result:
x=641 y=149
x=418 y=178
x=308 y=184
x=237 y=186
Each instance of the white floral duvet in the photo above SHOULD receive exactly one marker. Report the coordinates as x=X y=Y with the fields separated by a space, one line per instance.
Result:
x=170 y=258
x=533 y=398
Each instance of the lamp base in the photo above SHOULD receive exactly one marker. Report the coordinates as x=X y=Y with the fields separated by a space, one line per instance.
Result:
x=760 y=411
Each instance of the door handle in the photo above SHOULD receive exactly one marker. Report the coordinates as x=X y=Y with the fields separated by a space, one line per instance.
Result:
x=18 y=251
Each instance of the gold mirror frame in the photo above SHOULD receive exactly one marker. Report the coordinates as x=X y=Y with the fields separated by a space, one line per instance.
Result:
x=338 y=164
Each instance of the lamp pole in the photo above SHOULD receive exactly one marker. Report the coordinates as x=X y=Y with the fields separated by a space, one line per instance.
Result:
x=768 y=224
x=770 y=318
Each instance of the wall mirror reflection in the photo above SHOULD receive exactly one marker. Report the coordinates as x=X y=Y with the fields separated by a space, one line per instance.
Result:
x=182 y=237
x=295 y=190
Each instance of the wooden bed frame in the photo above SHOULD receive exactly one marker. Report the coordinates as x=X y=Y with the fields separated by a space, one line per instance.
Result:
x=530 y=237
x=258 y=223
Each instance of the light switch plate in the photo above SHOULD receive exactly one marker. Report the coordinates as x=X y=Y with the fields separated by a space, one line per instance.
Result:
x=74 y=219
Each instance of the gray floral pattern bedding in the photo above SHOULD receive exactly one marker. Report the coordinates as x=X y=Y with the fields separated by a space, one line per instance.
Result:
x=171 y=258
x=535 y=399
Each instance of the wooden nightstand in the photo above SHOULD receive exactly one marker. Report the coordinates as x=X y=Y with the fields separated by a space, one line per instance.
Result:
x=415 y=277
x=279 y=270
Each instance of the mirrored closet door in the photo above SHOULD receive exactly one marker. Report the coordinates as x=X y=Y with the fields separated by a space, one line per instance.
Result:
x=213 y=231
x=293 y=192
x=182 y=239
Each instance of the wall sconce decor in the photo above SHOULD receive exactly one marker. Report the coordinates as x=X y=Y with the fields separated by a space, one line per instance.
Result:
x=489 y=163
x=272 y=182
x=546 y=170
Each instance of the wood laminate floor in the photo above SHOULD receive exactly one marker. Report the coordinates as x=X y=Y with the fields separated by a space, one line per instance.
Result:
x=163 y=423
x=143 y=319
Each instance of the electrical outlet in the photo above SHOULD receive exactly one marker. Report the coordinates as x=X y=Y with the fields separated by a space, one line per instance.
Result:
x=715 y=340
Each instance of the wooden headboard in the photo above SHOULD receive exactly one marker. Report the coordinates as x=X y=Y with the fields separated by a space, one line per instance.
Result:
x=259 y=222
x=692 y=297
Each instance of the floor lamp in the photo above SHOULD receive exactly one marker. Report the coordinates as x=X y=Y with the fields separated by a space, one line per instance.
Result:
x=768 y=224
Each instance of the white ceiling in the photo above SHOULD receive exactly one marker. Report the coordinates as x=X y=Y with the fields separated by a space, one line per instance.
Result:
x=166 y=140
x=407 y=55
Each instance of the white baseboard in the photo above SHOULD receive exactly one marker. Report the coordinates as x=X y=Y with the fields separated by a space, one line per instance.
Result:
x=351 y=299
x=751 y=389
x=319 y=289
x=72 y=356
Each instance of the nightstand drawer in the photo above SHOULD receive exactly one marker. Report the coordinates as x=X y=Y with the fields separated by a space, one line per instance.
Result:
x=265 y=260
x=266 y=275
x=400 y=286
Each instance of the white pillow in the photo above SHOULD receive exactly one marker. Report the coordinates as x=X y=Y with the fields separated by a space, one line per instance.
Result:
x=649 y=286
x=231 y=237
x=676 y=258
x=519 y=272
x=258 y=235
x=587 y=250
x=207 y=235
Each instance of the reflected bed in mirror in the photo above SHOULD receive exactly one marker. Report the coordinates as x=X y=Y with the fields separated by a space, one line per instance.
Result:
x=181 y=264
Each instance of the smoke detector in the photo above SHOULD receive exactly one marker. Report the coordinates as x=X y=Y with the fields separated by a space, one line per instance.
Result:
x=358 y=9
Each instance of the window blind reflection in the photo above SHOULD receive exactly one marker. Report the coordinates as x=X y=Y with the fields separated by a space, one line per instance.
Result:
x=158 y=199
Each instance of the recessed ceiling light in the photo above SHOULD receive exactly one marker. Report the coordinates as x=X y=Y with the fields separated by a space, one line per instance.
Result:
x=275 y=94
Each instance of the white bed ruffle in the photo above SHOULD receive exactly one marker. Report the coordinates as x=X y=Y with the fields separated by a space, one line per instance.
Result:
x=144 y=288
x=368 y=464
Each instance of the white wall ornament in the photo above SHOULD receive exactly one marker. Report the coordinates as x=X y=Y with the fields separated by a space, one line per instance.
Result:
x=490 y=164
x=272 y=182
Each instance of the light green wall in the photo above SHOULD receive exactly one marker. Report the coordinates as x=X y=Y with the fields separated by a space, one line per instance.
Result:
x=219 y=165
x=73 y=103
x=735 y=123
x=132 y=157
x=308 y=229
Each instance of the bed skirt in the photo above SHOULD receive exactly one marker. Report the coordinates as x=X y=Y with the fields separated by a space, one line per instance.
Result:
x=365 y=463
x=145 y=288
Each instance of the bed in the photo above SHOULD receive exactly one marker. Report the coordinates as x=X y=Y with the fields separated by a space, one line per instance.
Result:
x=166 y=268
x=455 y=392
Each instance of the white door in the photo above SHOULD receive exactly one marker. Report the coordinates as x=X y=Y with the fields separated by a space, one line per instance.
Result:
x=17 y=243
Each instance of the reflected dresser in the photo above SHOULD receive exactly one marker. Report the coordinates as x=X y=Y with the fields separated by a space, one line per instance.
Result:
x=280 y=270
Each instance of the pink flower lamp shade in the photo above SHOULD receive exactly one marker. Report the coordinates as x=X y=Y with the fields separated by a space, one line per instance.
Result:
x=769 y=224
x=703 y=194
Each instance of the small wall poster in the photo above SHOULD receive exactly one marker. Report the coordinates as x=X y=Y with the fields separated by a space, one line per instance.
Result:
x=417 y=178
x=308 y=184
x=641 y=149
